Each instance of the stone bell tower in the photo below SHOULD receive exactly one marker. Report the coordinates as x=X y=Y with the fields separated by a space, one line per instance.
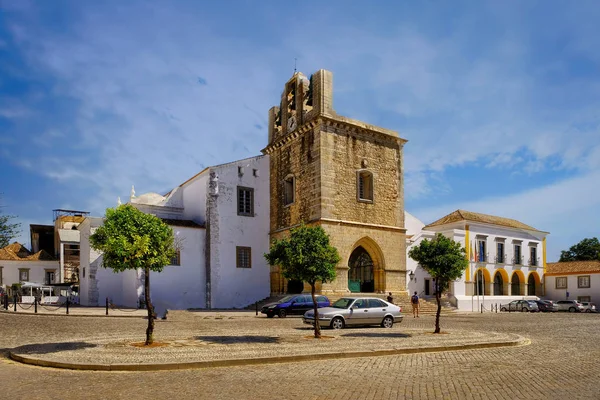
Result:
x=344 y=175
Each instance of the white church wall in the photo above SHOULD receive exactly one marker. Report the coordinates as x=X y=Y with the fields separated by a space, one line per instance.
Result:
x=194 y=198
x=234 y=287
x=183 y=286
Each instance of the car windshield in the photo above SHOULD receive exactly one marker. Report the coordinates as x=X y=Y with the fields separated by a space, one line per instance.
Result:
x=342 y=303
x=286 y=299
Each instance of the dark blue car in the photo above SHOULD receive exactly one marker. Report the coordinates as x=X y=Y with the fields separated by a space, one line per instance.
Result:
x=294 y=304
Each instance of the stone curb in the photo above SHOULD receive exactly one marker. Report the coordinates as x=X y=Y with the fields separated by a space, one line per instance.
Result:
x=256 y=361
x=70 y=315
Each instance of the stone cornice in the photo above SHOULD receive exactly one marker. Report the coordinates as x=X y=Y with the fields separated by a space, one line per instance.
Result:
x=341 y=222
x=350 y=125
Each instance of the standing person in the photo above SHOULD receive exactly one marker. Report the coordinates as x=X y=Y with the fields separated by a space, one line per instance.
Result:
x=414 y=300
x=390 y=298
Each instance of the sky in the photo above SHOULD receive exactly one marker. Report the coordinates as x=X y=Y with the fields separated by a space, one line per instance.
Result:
x=499 y=101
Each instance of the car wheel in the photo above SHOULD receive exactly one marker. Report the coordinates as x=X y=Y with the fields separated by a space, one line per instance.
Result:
x=337 y=323
x=282 y=313
x=588 y=310
x=524 y=309
x=572 y=309
x=387 y=322
x=503 y=309
x=270 y=315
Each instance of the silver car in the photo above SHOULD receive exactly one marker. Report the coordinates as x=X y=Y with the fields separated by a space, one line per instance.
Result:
x=569 y=305
x=356 y=311
x=588 y=307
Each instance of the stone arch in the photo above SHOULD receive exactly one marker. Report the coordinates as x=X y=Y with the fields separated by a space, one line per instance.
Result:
x=376 y=255
x=500 y=282
x=517 y=283
x=482 y=281
x=533 y=284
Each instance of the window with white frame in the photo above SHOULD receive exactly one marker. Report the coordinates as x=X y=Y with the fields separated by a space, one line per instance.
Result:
x=365 y=186
x=500 y=253
x=583 y=282
x=561 y=282
x=481 y=250
x=518 y=259
x=533 y=255
x=289 y=188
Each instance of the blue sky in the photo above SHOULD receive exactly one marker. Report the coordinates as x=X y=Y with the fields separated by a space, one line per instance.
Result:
x=500 y=101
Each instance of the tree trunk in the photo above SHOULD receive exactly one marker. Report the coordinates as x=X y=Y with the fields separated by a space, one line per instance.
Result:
x=439 y=306
x=150 y=329
x=316 y=309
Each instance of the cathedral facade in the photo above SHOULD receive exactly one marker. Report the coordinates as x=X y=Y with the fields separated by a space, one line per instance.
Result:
x=344 y=175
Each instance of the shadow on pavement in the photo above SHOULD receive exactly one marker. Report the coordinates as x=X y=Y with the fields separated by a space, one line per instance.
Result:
x=377 y=335
x=238 y=339
x=46 y=348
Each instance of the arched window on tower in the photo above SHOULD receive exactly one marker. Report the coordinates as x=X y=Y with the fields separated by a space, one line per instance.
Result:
x=365 y=186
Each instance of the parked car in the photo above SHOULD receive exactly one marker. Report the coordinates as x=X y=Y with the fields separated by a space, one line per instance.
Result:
x=546 y=306
x=588 y=307
x=569 y=305
x=294 y=304
x=357 y=311
x=520 y=305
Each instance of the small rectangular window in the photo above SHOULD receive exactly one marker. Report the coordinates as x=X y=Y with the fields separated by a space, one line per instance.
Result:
x=176 y=260
x=289 y=190
x=583 y=282
x=24 y=275
x=243 y=257
x=561 y=282
x=245 y=201
x=255 y=172
x=365 y=186
x=240 y=170
x=84 y=272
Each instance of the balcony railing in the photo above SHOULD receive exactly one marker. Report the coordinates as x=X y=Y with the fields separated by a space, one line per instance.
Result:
x=482 y=258
x=534 y=262
x=517 y=260
x=500 y=259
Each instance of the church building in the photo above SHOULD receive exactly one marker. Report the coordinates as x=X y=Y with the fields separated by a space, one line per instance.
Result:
x=344 y=175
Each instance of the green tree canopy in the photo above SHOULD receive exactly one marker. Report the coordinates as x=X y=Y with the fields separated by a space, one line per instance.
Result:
x=587 y=249
x=306 y=256
x=131 y=239
x=8 y=229
x=445 y=260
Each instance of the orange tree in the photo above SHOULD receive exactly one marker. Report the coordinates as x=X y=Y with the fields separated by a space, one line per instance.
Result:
x=132 y=240
x=445 y=260
x=306 y=256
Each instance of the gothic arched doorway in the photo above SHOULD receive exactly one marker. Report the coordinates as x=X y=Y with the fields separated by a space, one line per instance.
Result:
x=360 y=275
x=498 y=284
x=531 y=285
x=515 y=285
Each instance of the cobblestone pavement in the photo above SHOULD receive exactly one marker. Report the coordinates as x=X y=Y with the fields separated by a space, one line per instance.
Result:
x=562 y=362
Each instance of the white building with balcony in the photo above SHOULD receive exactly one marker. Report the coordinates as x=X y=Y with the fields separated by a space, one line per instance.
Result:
x=220 y=218
x=507 y=259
